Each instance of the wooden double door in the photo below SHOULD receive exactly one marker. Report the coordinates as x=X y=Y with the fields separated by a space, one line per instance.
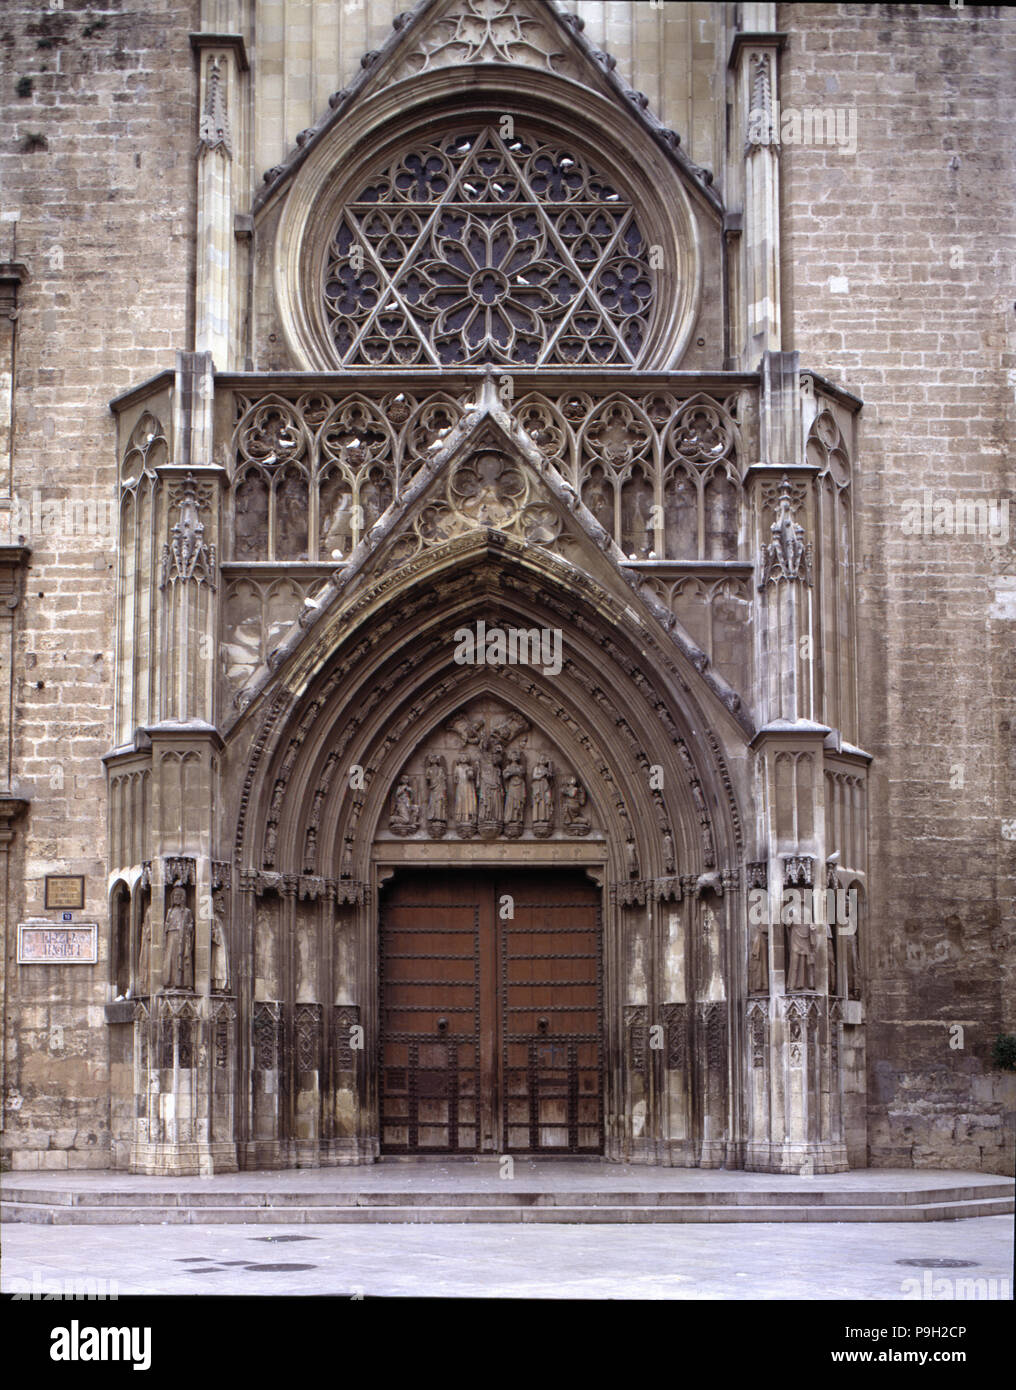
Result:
x=491 y=1035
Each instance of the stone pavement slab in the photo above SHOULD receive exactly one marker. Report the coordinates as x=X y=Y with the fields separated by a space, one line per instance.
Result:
x=734 y=1261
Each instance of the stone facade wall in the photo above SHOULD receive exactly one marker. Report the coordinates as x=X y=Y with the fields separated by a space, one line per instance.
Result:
x=97 y=161
x=304 y=50
x=896 y=264
x=893 y=282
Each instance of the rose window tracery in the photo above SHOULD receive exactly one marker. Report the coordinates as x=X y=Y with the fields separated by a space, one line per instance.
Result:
x=479 y=249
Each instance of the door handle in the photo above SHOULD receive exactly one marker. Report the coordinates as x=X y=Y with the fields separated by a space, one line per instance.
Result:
x=442 y=1024
x=543 y=1024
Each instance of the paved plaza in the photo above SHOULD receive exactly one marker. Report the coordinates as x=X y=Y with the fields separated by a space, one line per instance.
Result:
x=947 y=1260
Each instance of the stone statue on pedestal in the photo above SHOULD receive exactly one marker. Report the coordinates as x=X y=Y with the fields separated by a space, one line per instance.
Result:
x=219 y=958
x=465 y=798
x=543 y=797
x=514 y=795
x=758 y=962
x=179 y=968
x=802 y=956
x=405 y=817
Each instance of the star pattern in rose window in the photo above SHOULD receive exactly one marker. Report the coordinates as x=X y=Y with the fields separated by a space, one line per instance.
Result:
x=476 y=249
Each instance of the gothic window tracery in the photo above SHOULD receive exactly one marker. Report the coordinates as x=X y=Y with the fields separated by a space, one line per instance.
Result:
x=313 y=473
x=145 y=454
x=827 y=450
x=479 y=248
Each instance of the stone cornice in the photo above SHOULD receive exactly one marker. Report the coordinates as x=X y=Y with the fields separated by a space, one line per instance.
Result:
x=762 y=38
x=234 y=42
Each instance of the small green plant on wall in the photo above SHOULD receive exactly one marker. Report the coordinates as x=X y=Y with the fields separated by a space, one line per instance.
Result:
x=1003 y=1052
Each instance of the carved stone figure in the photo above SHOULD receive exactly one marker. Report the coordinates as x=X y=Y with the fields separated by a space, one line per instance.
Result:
x=339 y=530
x=374 y=499
x=291 y=519
x=465 y=798
x=514 y=795
x=219 y=958
x=758 y=962
x=632 y=856
x=600 y=504
x=250 y=526
x=437 y=795
x=786 y=556
x=490 y=816
x=405 y=817
x=831 y=960
x=573 y=805
x=802 y=956
x=542 y=790
x=468 y=730
x=179 y=967
x=145 y=952
x=669 y=858
x=639 y=509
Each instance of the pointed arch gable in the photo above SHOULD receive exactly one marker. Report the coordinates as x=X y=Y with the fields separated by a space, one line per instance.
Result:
x=388 y=655
x=594 y=557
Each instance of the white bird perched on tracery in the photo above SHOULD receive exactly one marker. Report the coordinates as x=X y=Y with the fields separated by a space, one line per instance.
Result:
x=439 y=440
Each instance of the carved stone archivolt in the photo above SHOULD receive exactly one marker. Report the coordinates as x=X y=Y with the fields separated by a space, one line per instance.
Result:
x=488 y=774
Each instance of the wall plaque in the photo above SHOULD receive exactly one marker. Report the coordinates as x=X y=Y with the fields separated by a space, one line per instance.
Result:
x=65 y=890
x=47 y=943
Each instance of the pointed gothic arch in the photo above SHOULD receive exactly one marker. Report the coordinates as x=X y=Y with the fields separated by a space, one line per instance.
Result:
x=374 y=690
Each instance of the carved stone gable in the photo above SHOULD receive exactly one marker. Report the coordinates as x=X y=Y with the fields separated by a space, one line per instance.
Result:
x=486 y=31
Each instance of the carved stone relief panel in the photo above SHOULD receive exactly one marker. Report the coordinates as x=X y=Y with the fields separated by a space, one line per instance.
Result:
x=489 y=489
x=488 y=774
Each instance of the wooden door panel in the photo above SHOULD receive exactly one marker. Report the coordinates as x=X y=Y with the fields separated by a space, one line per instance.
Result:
x=491 y=1029
x=430 y=1019
x=551 y=999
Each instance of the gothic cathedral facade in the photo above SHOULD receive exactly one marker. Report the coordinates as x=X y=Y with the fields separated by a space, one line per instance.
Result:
x=483 y=754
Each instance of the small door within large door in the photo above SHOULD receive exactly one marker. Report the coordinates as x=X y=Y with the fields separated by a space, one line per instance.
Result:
x=491 y=1014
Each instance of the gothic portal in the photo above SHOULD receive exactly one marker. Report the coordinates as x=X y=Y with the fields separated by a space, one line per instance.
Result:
x=486 y=772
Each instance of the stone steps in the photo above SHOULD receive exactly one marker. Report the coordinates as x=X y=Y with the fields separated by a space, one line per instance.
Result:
x=107 y=1208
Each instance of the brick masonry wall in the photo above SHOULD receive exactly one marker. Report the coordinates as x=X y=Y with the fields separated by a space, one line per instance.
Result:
x=897 y=266
x=98 y=160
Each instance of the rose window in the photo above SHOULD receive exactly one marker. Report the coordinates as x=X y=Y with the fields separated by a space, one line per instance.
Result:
x=477 y=249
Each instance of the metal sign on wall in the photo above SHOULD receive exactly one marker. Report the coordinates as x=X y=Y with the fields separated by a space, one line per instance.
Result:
x=47 y=943
x=65 y=890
